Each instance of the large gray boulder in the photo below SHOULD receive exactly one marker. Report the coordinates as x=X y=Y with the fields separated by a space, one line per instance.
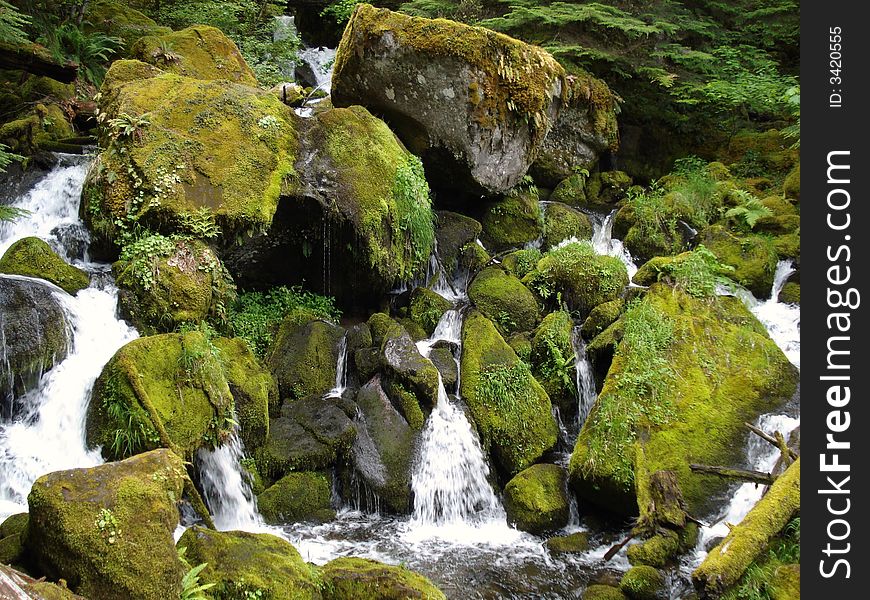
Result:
x=474 y=104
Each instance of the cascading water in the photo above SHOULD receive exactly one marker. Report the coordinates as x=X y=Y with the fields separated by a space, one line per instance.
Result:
x=227 y=488
x=781 y=320
x=604 y=243
x=49 y=434
x=319 y=61
x=584 y=379
x=340 y=386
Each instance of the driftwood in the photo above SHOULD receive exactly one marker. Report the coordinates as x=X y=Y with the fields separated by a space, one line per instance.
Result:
x=776 y=439
x=36 y=60
x=730 y=473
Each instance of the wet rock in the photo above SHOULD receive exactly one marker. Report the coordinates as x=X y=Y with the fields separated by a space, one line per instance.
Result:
x=303 y=358
x=504 y=300
x=536 y=499
x=562 y=222
x=297 y=497
x=512 y=221
x=32 y=257
x=351 y=578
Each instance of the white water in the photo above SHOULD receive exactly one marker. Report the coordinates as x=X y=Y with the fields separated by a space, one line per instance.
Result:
x=782 y=321
x=340 y=386
x=320 y=60
x=49 y=434
x=604 y=242
x=227 y=488
x=584 y=379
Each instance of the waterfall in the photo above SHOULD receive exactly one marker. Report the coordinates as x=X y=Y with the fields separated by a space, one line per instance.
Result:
x=49 y=434
x=584 y=379
x=340 y=386
x=782 y=321
x=319 y=61
x=604 y=243
x=227 y=488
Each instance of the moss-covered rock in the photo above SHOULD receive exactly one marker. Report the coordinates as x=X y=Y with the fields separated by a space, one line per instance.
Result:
x=443 y=359
x=427 y=307
x=786 y=583
x=32 y=257
x=213 y=145
x=303 y=358
x=40 y=126
x=562 y=222
x=166 y=390
x=384 y=448
x=403 y=363
x=11 y=549
x=788 y=245
x=753 y=257
x=13 y=524
x=552 y=359
x=473 y=257
x=108 y=530
x=36 y=335
x=253 y=388
x=184 y=284
x=201 y=52
x=706 y=366
x=118 y=19
x=510 y=409
x=574 y=543
x=360 y=578
x=601 y=317
x=582 y=278
x=242 y=564
x=521 y=262
x=791 y=293
x=607 y=188
x=513 y=220
x=477 y=133
x=297 y=497
x=724 y=565
x=642 y=583
x=603 y=592
x=791 y=187
x=51 y=591
x=536 y=499
x=571 y=191
x=453 y=231
x=505 y=300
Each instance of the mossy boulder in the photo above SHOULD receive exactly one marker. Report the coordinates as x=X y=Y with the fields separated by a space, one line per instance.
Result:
x=536 y=499
x=512 y=221
x=788 y=245
x=753 y=257
x=642 y=583
x=297 y=497
x=303 y=357
x=791 y=187
x=601 y=317
x=505 y=300
x=650 y=271
x=201 y=52
x=184 y=283
x=254 y=390
x=202 y=145
x=244 y=564
x=32 y=257
x=39 y=127
x=427 y=307
x=607 y=188
x=36 y=334
x=453 y=231
x=551 y=356
x=166 y=390
x=477 y=110
x=707 y=366
x=473 y=257
x=585 y=128
x=384 y=448
x=571 y=190
x=510 y=409
x=443 y=359
x=582 y=278
x=791 y=293
x=358 y=578
x=108 y=530
x=574 y=543
x=117 y=18
x=403 y=363
x=658 y=551
x=562 y=222
x=313 y=434
x=603 y=592
x=521 y=262
x=12 y=532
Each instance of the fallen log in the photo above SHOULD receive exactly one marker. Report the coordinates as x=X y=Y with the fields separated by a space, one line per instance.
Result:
x=36 y=60
x=774 y=440
x=730 y=473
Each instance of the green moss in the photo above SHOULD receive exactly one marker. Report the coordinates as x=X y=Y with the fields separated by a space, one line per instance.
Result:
x=303 y=358
x=108 y=530
x=642 y=583
x=786 y=583
x=601 y=317
x=513 y=220
x=11 y=549
x=509 y=407
x=658 y=551
x=208 y=144
x=256 y=565
x=13 y=524
x=521 y=262
x=453 y=231
x=254 y=390
x=574 y=543
x=791 y=293
x=297 y=497
x=753 y=257
x=562 y=222
x=744 y=543
x=603 y=592
x=789 y=245
x=33 y=257
x=201 y=52
x=581 y=278
x=426 y=308
x=571 y=191
x=472 y=257
x=361 y=579
x=707 y=366
x=536 y=499
x=505 y=300
x=408 y=405
x=50 y=591
x=117 y=19
x=126 y=71
x=792 y=185
x=164 y=390
x=552 y=358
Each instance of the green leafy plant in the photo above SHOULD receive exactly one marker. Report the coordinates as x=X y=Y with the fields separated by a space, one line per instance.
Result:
x=191 y=588
x=92 y=50
x=12 y=24
x=199 y=224
x=127 y=126
x=415 y=224
x=108 y=525
x=749 y=211
x=341 y=10
x=165 y=52
x=698 y=273
x=655 y=218
x=11 y=213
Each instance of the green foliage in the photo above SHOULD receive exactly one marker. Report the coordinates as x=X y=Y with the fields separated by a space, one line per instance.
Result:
x=506 y=390
x=525 y=261
x=132 y=433
x=641 y=385
x=793 y=100
x=166 y=53
x=126 y=126
x=749 y=211
x=12 y=24
x=92 y=51
x=256 y=315
x=416 y=224
x=144 y=252
x=340 y=10
x=11 y=213
x=191 y=588
x=199 y=224
x=108 y=525
x=248 y=23
x=655 y=218
x=695 y=196
x=698 y=273
x=555 y=365
x=755 y=582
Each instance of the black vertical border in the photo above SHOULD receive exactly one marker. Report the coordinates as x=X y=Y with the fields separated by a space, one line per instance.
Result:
x=826 y=129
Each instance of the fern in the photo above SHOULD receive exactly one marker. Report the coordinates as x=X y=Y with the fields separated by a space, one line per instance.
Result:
x=12 y=24
x=750 y=211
